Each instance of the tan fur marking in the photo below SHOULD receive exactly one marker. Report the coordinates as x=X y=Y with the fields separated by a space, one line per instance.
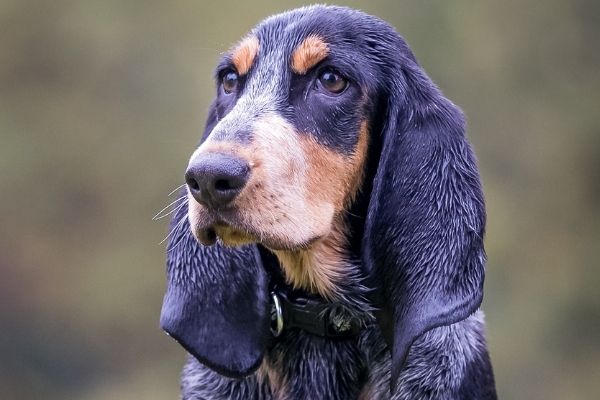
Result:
x=272 y=375
x=275 y=204
x=308 y=54
x=319 y=268
x=294 y=201
x=244 y=54
x=335 y=179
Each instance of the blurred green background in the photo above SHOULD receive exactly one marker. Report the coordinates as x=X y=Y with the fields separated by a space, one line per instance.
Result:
x=101 y=103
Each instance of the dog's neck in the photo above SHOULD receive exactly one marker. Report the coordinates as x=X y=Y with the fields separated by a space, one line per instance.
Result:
x=325 y=268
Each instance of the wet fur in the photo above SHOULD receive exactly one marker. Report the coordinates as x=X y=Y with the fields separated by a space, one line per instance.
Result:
x=440 y=365
x=378 y=209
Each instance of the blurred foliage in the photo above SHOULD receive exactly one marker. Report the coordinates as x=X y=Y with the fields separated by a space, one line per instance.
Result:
x=101 y=103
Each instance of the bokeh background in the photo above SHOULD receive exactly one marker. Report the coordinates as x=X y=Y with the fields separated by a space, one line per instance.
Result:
x=101 y=103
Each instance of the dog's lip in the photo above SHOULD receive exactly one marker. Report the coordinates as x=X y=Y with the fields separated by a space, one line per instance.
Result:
x=205 y=229
x=207 y=236
x=208 y=232
x=226 y=219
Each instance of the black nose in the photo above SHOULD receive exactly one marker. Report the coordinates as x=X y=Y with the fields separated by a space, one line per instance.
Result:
x=216 y=179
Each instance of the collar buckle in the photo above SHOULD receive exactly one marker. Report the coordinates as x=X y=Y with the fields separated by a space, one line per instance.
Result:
x=311 y=315
x=276 y=315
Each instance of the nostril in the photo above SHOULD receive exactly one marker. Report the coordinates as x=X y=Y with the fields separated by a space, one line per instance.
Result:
x=216 y=179
x=223 y=185
x=192 y=183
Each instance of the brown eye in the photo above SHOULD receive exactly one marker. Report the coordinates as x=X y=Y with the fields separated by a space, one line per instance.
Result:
x=230 y=81
x=332 y=81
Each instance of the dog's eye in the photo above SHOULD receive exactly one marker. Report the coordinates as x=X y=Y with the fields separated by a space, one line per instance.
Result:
x=332 y=81
x=230 y=81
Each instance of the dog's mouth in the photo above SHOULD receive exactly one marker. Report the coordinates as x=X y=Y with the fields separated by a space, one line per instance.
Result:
x=221 y=226
x=227 y=228
x=229 y=234
x=276 y=221
x=207 y=236
x=234 y=236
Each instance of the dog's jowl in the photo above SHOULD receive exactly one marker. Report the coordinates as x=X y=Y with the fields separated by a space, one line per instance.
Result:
x=332 y=242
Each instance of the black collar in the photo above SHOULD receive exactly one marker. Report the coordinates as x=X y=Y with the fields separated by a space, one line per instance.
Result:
x=294 y=309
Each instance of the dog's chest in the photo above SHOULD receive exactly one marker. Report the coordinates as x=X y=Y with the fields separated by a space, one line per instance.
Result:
x=301 y=365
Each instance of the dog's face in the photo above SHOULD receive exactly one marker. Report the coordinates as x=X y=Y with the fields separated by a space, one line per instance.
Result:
x=313 y=107
x=284 y=150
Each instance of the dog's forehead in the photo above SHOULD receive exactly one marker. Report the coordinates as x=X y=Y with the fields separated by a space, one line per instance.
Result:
x=292 y=43
x=289 y=29
x=277 y=37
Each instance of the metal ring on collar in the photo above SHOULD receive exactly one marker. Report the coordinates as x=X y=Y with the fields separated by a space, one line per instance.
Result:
x=277 y=319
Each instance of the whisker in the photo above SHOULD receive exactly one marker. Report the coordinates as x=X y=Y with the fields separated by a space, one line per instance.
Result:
x=158 y=216
x=176 y=189
x=176 y=244
x=175 y=229
x=174 y=210
x=181 y=237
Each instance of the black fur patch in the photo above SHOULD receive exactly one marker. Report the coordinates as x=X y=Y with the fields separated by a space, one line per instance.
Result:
x=416 y=232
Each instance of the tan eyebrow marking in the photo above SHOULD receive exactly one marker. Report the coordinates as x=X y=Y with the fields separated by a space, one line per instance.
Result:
x=308 y=54
x=244 y=54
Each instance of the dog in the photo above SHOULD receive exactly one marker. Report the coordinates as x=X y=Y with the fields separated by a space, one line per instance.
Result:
x=330 y=245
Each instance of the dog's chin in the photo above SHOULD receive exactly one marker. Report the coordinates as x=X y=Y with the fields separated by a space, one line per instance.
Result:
x=226 y=235
x=281 y=245
x=206 y=236
x=235 y=237
x=228 y=229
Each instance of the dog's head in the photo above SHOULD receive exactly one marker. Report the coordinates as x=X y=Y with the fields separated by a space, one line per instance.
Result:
x=324 y=125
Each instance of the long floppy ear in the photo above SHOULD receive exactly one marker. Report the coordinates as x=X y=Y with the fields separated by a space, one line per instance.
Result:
x=423 y=237
x=216 y=304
